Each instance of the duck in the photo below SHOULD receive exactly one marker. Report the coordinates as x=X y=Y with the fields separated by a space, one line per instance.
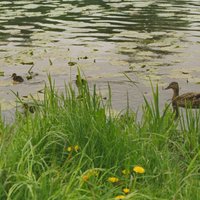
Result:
x=186 y=100
x=17 y=79
x=30 y=108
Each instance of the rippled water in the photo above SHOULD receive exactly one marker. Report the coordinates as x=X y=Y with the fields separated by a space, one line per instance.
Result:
x=159 y=39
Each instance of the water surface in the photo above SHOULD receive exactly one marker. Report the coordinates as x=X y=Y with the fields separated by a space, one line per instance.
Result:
x=156 y=39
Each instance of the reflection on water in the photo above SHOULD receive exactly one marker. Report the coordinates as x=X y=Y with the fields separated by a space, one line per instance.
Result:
x=156 y=38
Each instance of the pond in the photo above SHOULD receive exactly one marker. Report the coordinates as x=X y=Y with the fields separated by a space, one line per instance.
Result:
x=152 y=39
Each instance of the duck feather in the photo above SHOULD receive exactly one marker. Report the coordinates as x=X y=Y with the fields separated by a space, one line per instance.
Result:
x=190 y=100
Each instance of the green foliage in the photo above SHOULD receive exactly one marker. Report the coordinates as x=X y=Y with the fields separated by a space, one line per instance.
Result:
x=70 y=146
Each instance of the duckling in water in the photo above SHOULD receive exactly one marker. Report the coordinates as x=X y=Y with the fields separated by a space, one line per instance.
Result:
x=30 y=108
x=188 y=100
x=17 y=79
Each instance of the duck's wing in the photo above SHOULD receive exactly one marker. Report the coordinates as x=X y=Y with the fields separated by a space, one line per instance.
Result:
x=190 y=99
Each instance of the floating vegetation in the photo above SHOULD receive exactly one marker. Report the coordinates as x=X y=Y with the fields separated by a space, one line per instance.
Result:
x=50 y=62
x=27 y=63
x=72 y=63
x=84 y=57
x=31 y=74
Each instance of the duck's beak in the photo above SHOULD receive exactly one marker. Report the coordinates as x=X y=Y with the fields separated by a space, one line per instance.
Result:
x=168 y=87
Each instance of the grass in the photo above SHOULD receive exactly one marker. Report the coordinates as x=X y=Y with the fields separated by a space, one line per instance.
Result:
x=72 y=147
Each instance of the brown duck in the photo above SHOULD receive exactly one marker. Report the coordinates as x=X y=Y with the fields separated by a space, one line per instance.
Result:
x=188 y=100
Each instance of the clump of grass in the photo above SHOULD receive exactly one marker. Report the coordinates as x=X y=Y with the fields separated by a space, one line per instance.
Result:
x=70 y=148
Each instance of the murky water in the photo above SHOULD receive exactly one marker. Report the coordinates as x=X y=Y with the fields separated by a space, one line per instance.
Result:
x=159 y=39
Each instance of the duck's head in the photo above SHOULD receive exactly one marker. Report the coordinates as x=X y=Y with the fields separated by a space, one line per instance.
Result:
x=173 y=86
x=14 y=75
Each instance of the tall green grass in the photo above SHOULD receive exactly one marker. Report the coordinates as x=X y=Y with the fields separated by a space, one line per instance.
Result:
x=72 y=144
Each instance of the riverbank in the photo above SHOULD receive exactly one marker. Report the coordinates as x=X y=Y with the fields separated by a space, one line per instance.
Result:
x=72 y=146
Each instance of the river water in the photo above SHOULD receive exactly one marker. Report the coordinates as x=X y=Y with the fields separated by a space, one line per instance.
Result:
x=150 y=39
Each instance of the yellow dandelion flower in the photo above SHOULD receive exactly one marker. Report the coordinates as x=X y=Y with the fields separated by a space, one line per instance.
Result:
x=85 y=178
x=69 y=149
x=120 y=197
x=113 y=179
x=76 y=148
x=126 y=190
x=139 y=169
x=125 y=172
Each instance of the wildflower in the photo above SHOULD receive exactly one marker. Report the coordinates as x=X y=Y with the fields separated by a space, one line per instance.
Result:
x=113 y=179
x=76 y=148
x=69 y=149
x=126 y=190
x=120 y=197
x=125 y=172
x=85 y=178
x=139 y=169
